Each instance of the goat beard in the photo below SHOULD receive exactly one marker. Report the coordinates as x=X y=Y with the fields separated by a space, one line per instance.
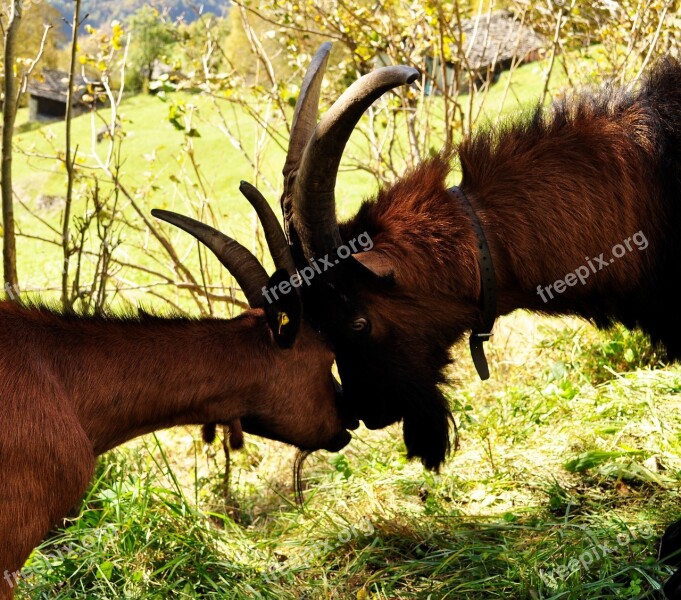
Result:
x=425 y=413
x=426 y=429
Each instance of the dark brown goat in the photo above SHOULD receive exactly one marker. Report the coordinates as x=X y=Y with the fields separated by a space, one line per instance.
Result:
x=72 y=388
x=580 y=208
x=591 y=188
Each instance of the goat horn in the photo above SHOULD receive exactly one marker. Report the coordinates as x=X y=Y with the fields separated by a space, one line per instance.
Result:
x=304 y=117
x=244 y=267
x=274 y=234
x=313 y=201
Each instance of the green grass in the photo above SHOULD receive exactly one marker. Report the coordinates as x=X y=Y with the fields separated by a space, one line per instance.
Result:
x=155 y=169
x=560 y=489
x=573 y=442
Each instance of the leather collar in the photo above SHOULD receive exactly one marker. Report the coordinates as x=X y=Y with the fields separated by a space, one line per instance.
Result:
x=488 y=295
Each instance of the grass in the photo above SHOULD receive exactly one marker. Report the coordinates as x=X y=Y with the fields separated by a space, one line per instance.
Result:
x=560 y=489
x=567 y=472
x=156 y=170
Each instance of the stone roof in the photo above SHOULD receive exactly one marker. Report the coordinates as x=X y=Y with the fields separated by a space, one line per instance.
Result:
x=498 y=37
x=53 y=85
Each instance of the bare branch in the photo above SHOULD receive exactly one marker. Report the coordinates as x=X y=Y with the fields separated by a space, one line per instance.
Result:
x=68 y=161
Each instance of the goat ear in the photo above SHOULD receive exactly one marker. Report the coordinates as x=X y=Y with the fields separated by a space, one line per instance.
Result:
x=283 y=310
x=376 y=262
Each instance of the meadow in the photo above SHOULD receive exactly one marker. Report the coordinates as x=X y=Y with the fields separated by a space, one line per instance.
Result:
x=567 y=471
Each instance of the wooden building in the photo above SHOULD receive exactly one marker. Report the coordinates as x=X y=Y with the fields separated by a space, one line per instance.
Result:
x=48 y=92
x=489 y=45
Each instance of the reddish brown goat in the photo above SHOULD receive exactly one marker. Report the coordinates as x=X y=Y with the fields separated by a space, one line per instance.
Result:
x=72 y=388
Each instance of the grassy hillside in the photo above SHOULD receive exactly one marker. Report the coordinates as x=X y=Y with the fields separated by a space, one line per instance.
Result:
x=155 y=169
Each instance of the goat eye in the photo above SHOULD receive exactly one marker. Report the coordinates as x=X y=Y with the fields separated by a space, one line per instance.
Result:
x=360 y=324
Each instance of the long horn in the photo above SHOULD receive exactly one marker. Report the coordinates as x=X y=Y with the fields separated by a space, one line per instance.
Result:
x=313 y=213
x=244 y=267
x=305 y=113
x=274 y=234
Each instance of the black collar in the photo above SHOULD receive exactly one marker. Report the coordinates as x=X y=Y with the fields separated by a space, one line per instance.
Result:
x=488 y=295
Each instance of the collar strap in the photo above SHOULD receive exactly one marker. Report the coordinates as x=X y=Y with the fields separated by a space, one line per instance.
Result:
x=488 y=295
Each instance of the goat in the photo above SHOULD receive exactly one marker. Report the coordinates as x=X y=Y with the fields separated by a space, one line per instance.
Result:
x=572 y=211
x=583 y=201
x=73 y=387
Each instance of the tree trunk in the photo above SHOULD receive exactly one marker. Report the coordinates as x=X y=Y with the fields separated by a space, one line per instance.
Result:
x=9 y=113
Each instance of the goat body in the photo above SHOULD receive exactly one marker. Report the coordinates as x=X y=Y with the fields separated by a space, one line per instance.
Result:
x=593 y=189
x=580 y=207
x=72 y=388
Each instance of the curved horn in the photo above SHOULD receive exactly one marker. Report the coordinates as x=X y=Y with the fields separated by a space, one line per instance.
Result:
x=244 y=267
x=274 y=234
x=313 y=213
x=305 y=113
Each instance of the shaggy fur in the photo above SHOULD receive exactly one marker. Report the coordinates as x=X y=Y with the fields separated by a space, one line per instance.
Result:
x=72 y=388
x=553 y=190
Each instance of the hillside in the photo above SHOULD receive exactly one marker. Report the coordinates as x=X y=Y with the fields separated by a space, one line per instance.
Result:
x=102 y=12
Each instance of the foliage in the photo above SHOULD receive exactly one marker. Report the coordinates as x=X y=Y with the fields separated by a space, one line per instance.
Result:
x=638 y=30
x=33 y=22
x=153 y=39
x=99 y=53
x=428 y=35
x=200 y=51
